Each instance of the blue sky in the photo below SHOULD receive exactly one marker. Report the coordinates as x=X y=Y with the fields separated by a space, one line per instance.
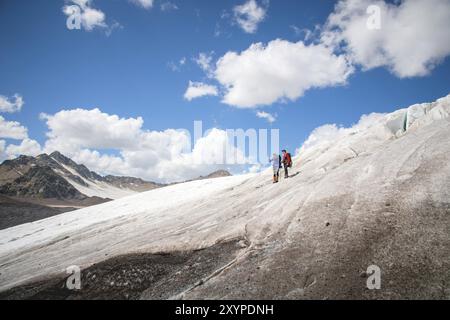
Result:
x=130 y=71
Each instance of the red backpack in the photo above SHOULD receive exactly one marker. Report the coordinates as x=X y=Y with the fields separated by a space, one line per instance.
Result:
x=289 y=159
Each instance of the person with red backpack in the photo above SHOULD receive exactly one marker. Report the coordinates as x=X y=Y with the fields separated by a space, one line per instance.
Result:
x=287 y=163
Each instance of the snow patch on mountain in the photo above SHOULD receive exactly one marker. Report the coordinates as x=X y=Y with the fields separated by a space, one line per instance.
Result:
x=91 y=187
x=102 y=190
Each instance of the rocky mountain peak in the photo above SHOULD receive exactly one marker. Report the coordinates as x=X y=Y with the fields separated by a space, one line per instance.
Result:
x=41 y=182
x=58 y=156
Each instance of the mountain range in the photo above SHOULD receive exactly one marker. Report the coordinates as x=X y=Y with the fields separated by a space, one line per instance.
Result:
x=56 y=176
x=32 y=188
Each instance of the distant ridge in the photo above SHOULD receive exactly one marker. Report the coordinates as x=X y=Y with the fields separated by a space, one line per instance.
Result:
x=56 y=176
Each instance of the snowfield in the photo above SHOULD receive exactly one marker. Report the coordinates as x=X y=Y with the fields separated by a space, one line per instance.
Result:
x=94 y=188
x=111 y=228
x=376 y=193
x=101 y=189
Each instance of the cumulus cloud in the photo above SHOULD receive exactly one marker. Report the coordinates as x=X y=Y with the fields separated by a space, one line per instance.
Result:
x=199 y=89
x=113 y=145
x=91 y=129
x=90 y=18
x=146 y=4
x=280 y=70
x=13 y=104
x=267 y=116
x=324 y=134
x=12 y=130
x=330 y=133
x=249 y=15
x=27 y=147
x=411 y=41
x=15 y=131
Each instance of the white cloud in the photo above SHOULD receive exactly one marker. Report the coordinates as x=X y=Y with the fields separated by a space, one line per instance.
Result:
x=330 y=133
x=90 y=18
x=168 y=6
x=72 y=129
x=262 y=75
x=324 y=134
x=249 y=15
x=146 y=4
x=199 y=89
x=3 y=155
x=88 y=135
x=205 y=62
x=12 y=130
x=265 y=115
x=8 y=105
x=412 y=40
x=27 y=147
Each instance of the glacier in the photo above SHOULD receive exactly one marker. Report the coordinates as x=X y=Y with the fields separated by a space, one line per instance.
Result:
x=376 y=193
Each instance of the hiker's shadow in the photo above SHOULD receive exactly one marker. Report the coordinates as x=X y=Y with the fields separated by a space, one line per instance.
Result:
x=295 y=174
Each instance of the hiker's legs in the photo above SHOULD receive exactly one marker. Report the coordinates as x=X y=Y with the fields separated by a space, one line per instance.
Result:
x=286 y=172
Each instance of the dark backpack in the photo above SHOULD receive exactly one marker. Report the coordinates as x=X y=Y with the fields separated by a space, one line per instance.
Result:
x=279 y=161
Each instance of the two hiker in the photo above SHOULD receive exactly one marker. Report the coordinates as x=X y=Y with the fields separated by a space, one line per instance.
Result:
x=277 y=161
